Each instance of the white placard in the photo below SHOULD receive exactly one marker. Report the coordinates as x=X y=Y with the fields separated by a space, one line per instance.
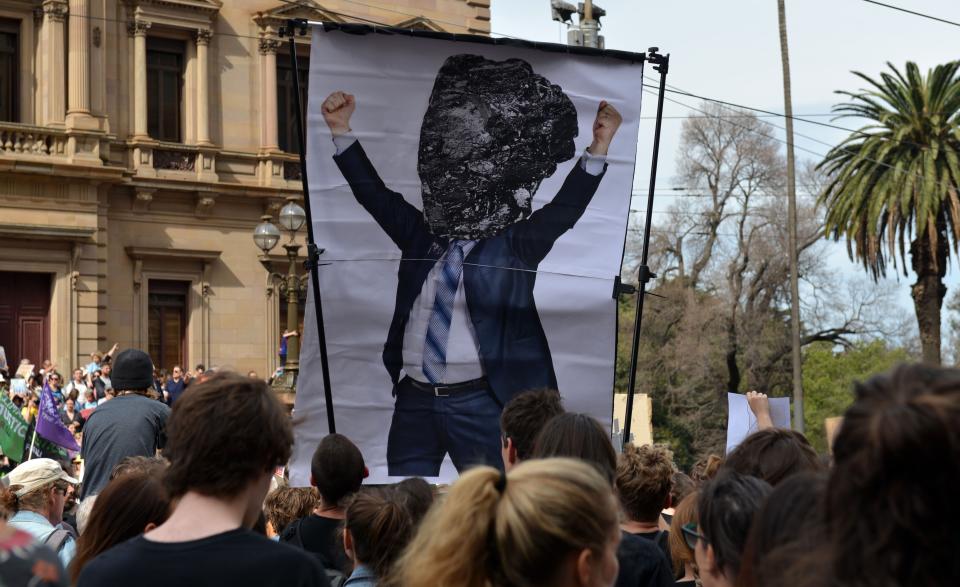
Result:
x=742 y=423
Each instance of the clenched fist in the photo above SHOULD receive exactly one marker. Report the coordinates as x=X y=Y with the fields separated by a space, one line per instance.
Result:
x=337 y=109
x=605 y=125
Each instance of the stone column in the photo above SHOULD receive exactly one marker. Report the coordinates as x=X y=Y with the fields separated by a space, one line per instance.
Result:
x=138 y=29
x=54 y=15
x=268 y=114
x=79 y=60
x=203 y=82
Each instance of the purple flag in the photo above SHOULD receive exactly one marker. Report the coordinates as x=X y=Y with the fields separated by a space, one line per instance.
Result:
x=50 y=426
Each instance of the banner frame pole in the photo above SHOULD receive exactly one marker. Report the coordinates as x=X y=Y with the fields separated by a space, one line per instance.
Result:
x=35 y=422
x=661 y=64
x=313 y=253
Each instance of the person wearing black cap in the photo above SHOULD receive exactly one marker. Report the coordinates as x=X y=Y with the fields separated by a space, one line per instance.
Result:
x=130 y=425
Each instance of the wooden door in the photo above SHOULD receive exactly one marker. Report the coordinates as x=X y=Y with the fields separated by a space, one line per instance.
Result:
x=167 y=323
x=25 y=316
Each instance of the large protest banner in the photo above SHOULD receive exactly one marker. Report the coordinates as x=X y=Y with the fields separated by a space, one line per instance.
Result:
x=471 y=240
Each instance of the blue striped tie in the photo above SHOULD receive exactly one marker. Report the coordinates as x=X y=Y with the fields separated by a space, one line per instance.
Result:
x=438 y=330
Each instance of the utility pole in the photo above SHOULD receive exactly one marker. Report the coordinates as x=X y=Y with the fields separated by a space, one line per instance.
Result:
x=792 y=228
x=586 y=33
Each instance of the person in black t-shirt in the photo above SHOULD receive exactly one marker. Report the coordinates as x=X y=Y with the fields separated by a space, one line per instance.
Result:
x=222 y=455
x=337 y=470
x=644 y=478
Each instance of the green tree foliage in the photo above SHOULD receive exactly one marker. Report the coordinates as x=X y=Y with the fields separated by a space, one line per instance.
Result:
x=895 y=180
x=829 y=375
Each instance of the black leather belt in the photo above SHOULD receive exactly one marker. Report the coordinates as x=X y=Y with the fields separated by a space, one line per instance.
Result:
x=449 y=389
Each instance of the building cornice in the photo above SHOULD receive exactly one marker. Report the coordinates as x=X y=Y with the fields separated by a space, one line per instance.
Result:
x=47 y=232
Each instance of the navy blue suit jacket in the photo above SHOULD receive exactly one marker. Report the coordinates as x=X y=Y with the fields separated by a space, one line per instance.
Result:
x=498 y=274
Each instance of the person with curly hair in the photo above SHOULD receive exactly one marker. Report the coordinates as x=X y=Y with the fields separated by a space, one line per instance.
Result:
x=644 y=480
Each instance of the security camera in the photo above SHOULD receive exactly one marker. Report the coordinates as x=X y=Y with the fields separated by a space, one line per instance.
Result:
x=562 y=11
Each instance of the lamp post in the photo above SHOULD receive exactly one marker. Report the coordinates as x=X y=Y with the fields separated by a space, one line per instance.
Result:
x=266 y=236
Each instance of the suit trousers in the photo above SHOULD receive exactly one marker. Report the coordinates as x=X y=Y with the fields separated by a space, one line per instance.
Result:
x=426 y=427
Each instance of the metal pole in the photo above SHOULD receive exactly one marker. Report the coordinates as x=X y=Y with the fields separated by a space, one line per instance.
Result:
x=312 y=252
x=589 y=28
x=661 y=63
x=293 y=314
x=792 y=230
x=35 y=419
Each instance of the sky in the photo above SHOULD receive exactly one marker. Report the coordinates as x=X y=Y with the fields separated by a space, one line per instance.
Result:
x=730 y=50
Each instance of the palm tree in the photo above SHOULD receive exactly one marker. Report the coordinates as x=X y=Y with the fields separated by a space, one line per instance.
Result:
x=798 y=419
x=896 y=180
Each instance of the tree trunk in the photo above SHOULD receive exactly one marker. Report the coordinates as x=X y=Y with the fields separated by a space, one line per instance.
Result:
x=928 y=292
x=798 y=419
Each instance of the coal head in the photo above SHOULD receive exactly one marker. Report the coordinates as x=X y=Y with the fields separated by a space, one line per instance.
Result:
x=492 y=132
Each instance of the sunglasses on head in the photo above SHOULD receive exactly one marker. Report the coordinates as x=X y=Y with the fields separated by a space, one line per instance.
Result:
x=691 y=535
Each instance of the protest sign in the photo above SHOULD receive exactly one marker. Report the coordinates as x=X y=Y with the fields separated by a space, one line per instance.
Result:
x=18 y=386
x=742 y=423
x=471 y=242
x=13 y=429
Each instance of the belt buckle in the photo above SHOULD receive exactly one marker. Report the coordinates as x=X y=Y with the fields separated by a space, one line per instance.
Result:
x=439 y=390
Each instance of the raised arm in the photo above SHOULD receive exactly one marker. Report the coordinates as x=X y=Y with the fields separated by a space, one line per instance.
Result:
x=396 y=216
x=533 y=238
x=760 y=406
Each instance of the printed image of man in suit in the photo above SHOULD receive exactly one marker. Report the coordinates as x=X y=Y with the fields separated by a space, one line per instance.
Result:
x=465 y=335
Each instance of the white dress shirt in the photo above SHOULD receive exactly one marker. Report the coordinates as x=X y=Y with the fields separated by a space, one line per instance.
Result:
x=463 y=354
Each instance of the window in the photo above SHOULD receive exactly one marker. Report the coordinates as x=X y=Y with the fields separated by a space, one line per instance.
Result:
x=165 y=58
x=286 y=113
x=167 y=322
x=9 y=70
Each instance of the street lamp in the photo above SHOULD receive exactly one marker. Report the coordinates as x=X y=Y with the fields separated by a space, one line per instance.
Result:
x=266 y=235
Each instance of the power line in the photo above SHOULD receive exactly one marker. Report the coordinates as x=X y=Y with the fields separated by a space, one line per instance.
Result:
x=913 y=12
x=821 y=155
x=674 y=89
x=735 y=116
x=746 y=128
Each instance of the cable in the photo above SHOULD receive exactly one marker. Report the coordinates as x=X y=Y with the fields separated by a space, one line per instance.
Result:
x=746 y=128
x=770 y=114
x=920 y=14
x=677 y=91
x=736 y=116
x=673 y=89
x=400 y=12
x=821 y=155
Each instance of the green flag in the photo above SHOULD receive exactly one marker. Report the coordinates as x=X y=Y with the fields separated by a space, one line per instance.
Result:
x=13 y=429
x=45 y=448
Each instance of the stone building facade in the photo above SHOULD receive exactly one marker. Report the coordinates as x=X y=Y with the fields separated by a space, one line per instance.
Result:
x=140 y=143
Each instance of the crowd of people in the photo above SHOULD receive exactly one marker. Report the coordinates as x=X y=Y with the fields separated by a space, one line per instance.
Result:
x=195 y=494
x=85 y=388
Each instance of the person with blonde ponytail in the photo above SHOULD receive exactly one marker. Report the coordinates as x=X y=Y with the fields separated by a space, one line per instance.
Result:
x=547 y=522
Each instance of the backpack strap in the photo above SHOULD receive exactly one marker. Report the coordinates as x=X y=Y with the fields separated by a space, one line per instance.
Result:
x=57 y=539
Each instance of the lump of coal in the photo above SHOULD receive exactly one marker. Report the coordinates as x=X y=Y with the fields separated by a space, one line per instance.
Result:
x=492 y=132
